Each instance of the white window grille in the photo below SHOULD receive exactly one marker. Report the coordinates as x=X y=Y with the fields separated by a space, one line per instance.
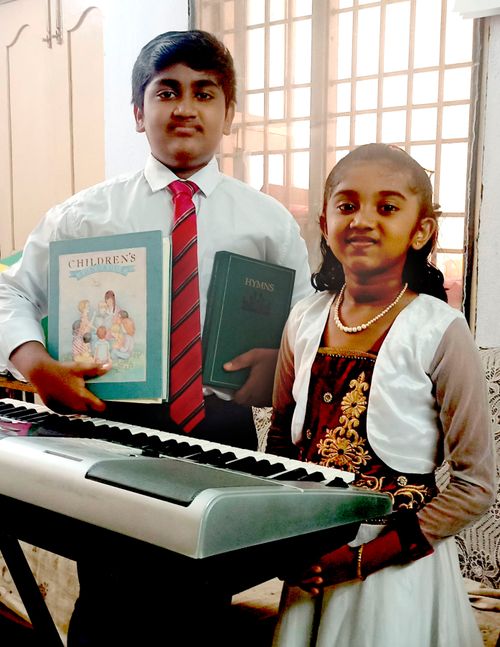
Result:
x=317 y=78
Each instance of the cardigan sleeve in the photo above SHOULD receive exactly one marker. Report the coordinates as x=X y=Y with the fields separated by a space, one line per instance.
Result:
x=461 y=397
x=279 y=439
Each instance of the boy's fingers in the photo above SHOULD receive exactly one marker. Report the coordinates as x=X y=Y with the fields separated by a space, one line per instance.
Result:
x=91 y=369
x=95 y=404
x=241 y=361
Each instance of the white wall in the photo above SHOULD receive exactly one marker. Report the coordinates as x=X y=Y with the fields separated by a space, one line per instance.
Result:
x=488 y=276
x=128 y=25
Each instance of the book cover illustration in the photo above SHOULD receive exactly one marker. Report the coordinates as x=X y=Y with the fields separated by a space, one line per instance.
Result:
x=247 y=306
x=108 y=304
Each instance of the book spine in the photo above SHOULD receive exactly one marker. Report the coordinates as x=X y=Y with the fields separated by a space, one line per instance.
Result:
x=214 y=304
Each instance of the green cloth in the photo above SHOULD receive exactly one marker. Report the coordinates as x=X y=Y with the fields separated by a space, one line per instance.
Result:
x=10 y=260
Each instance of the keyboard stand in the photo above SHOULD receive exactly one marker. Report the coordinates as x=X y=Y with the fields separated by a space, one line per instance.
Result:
x=233 y=572
x=44 y=629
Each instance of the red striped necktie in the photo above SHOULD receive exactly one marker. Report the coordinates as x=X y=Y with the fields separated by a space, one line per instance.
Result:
x=186 y=395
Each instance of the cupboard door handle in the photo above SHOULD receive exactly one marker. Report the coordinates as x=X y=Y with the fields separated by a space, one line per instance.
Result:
x=59 y=33
x=48 y=37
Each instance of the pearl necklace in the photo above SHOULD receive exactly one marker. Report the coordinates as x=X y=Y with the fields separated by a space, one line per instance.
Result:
x=351 y=329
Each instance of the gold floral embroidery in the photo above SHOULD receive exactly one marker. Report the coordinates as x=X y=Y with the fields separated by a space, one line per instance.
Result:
x=411 y=496
x=370 y=483
x=343 y=447
x=354 y=403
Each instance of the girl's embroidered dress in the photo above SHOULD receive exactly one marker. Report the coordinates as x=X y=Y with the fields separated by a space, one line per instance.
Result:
x=375 y=612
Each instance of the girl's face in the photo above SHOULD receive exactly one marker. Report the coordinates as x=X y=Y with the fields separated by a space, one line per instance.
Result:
x=372 y=219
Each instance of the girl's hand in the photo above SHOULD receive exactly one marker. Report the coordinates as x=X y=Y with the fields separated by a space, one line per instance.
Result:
x=332 y=568
x=341 y=565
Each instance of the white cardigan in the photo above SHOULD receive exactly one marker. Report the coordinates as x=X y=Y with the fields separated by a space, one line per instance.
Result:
x=402 y=420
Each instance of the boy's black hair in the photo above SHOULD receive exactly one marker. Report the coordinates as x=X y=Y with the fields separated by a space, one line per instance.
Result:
x=422 y=276
x=197 y=49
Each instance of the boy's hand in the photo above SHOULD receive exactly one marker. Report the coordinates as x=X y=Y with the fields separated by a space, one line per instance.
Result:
x=258 y=389
x=61 y=386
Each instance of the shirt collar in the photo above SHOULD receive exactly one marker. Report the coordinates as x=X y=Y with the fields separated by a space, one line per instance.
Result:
x=159 y=176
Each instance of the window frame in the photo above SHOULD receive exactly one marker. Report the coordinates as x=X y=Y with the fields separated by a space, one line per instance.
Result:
x=318 y=161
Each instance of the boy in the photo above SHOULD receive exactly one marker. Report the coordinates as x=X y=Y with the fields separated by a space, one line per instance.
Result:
x=183 y=87
x=184 y=101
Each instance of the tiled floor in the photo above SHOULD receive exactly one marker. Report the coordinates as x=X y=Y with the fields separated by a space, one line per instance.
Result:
x=256 y=610
x=254 y=614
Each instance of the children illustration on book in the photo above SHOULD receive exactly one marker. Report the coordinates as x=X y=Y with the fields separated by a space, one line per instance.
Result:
x=80 y=346
x=111 y=306
x=102 y=350
x=86 y=321
x=102 y=318
x=105 y=333
x=124 y=344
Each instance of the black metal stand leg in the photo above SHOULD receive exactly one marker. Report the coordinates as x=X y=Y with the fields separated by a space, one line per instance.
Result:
x=44 y=628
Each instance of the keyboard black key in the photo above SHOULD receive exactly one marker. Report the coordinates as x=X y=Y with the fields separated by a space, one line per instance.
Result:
x=266 y=468
x=24 y=415
x=275 y=468
x=293 y=475
x=315 y=477
x=179 y=449
x=6 y=406
x=140 y=440
x=153 y=442
x=214 y=457
x=38 y=417
x=168 y=446
x=337 y=482
x=248 y=465
x=12 y=412
x=192 y=451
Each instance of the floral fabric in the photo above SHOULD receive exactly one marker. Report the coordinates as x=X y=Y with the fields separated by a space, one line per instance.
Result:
x=336 y=435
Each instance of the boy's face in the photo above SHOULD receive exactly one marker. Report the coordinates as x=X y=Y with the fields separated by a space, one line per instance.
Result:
x=184 y=117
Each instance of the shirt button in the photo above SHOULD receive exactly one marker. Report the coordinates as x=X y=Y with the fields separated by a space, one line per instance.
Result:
x=327 y=397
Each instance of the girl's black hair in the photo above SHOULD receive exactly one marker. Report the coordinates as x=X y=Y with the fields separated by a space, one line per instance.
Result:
x=199 y=50
x=422 y=276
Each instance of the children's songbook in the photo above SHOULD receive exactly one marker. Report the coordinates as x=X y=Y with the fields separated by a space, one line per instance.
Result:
x=109 y=302
x=247 y=306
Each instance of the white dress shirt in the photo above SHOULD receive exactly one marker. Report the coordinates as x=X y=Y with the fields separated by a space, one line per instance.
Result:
x=231 y=216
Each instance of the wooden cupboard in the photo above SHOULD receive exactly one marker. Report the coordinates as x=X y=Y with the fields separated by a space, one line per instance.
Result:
x=51 y=109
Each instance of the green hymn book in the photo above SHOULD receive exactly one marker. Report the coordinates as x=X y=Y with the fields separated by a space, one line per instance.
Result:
x=248 y=304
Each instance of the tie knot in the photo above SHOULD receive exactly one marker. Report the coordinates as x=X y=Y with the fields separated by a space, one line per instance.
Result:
x=186 y=187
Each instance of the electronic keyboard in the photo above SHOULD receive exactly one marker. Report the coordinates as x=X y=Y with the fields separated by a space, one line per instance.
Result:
x=189 y=496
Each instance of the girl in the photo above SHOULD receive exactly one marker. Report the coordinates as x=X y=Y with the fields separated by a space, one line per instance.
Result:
x=378 y=376
x=112 y=308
